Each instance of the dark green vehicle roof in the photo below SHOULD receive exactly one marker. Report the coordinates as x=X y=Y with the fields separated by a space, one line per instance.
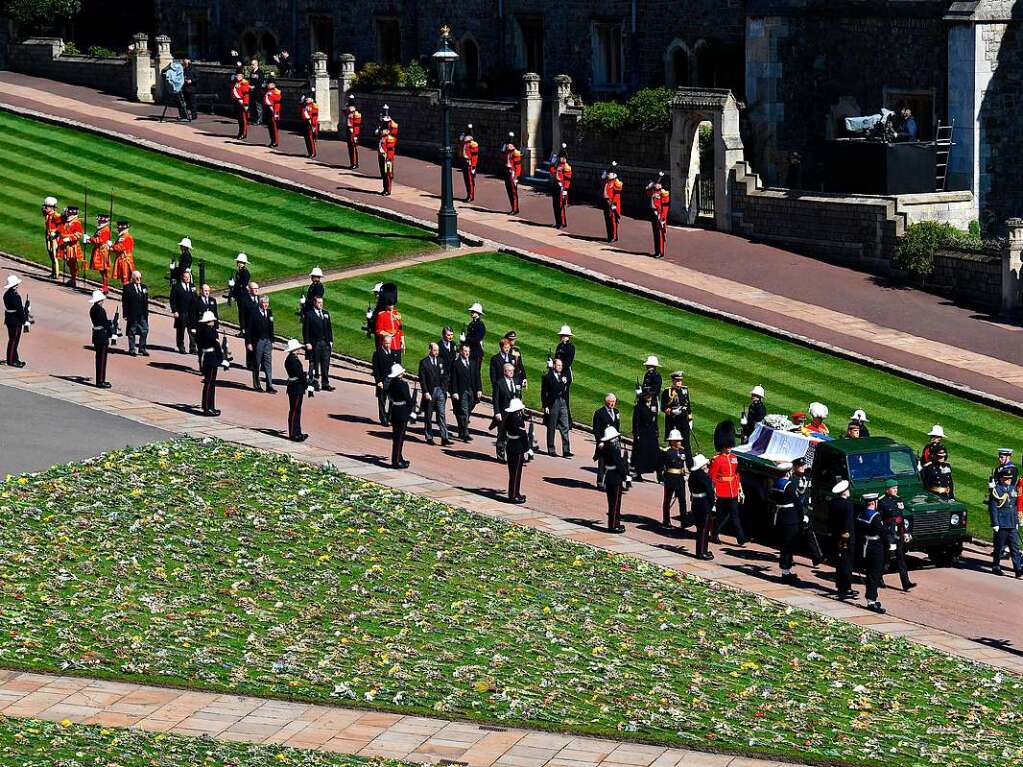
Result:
x=848 y=446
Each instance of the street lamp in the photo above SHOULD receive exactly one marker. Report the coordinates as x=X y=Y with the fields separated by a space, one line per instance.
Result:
x=447 y=218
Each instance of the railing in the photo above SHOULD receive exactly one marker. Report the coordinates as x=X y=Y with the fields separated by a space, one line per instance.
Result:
x=704 y=196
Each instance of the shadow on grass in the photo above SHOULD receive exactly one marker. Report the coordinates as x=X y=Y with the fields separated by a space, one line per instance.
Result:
x=335 y=229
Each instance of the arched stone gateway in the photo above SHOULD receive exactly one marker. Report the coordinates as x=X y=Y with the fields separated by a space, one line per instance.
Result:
x=689 y=108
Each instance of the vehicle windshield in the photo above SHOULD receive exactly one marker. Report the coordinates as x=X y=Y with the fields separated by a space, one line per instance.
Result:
x=894 y=463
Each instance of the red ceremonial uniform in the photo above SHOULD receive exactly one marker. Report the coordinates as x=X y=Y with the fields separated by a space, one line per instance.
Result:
x=386 y=148
x=660 y=204
x=724 y=473
x=389 y=321
x=512 y=174
x=470 y=153
x=561 y=180
x=311 y=122
x=390 y=125
x=612 y=207
x=100 y=241
x=125 y=250
x=240 y=96
x=272 y=107
x=353 y=127
x=51 y=234
x=71 y=235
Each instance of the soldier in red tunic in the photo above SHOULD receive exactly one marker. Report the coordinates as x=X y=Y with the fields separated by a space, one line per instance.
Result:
x=724 y=473
x=100 y=241
x=469 y=152
x=51 y=234
x=389 y=323
x=612 y=193
x=660 y=204
x=561 y=182
x=386 y=149
x=512 y=159
x=240 y=96
x=125 y=250
x=311 y=125
x=353 y=127
x=71 y=235
x=272 y=108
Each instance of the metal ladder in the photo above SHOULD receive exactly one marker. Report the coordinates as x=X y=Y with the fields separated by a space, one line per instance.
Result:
x=942 y=149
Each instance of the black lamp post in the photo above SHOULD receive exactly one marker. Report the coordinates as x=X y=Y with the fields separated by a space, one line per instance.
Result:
x=447 y=218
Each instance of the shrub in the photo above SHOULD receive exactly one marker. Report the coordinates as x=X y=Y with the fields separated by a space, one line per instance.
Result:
x=70 y=49
x=413 y=76
x=916 y=249
x=99 y=52
x=648 y=109
x=607 y=117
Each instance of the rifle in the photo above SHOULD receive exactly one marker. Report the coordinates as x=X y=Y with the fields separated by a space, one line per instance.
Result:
x=639 y=387
x=115 y=327
x=550 y=358
x=85 y=217
x=225 y=349
x=28 y=314
x=627 y=484
x=229 y=295
x=415 y=402
x=530 y=451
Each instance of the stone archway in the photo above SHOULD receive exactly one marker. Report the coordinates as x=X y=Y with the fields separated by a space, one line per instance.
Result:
x=689 y=108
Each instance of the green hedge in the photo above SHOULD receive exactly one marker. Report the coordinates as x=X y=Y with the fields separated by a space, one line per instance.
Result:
x=373 y=75
x=916 y=250
x=646 y=109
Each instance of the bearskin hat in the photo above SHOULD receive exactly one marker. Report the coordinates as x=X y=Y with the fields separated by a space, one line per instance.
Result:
x=388 y=295
x=724 y=436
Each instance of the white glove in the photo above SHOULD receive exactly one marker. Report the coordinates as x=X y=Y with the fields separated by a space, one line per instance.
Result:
x=638 y=392
x=806 y=519
x=413 y=416
x=301 y=299
x=995 y=528
x=230 y=283
x=226 y=364
x=891 y=546
x=86 y=239
x=991 y=485
x=461 y=338
x=309 y=390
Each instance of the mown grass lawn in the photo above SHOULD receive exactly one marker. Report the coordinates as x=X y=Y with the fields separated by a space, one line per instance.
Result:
x=39 y=743
x=223 y=568
x=166 y=199
x=615 y=331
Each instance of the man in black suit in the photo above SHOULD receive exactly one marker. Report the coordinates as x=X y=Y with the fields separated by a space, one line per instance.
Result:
x=314 y=291
x=239 y=287
x=554 y=397
x=190 y=90
x=135 y=305
x=433 y=380
x=448 y=348
x=205 y=302
x=466 y=389
x=182 y=304
x=505 y=390
x=257 y=86
x=259 y=340
x=508 y=354
x=318 y=337
x=383 y=360
x=603 y=417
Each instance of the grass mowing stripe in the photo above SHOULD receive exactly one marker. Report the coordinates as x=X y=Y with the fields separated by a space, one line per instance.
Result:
x=615 y=330
x=165 y=198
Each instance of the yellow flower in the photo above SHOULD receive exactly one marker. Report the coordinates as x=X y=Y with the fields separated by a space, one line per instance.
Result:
x=22 y=480
x=65 y=722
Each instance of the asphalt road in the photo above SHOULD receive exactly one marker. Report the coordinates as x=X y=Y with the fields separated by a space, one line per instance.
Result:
x=966 y=600
x=38 y=431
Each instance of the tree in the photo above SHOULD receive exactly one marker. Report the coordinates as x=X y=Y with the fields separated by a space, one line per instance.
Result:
x=32 y=14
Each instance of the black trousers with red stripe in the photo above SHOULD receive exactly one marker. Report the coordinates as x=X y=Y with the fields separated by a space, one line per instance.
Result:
x=310 y=139
x=469 y=177
x=613 y=490
x=242 y=115
x=102 y=350
x=273 y=128
x=660 y=235
x=611 y=222
x=13 y=339
x=704 y=529
x=516 y=460
x=209 y=387
x=398 y=441
x=353 y=152
x=387 y=176
x=512 y=188
x=295 y=398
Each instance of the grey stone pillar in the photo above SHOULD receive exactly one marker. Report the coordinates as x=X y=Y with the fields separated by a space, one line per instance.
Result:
x=346 y=78
x=531 y=112
x=161 y=62
x=562 y=97
x=142 y=78
x=1012 y=260
x=320 y=82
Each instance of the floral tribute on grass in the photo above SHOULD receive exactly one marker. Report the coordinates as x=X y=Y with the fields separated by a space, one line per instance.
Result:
x=203 y=564
x=38 y=743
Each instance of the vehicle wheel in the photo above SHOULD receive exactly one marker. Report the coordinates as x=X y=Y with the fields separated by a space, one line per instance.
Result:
x=945 y=556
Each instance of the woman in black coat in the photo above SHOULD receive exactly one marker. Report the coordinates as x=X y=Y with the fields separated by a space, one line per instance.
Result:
x=646 y=448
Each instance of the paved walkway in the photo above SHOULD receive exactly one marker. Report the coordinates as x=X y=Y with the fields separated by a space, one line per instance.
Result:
x=177 y=418
x=828 y=305
x=327 y=728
